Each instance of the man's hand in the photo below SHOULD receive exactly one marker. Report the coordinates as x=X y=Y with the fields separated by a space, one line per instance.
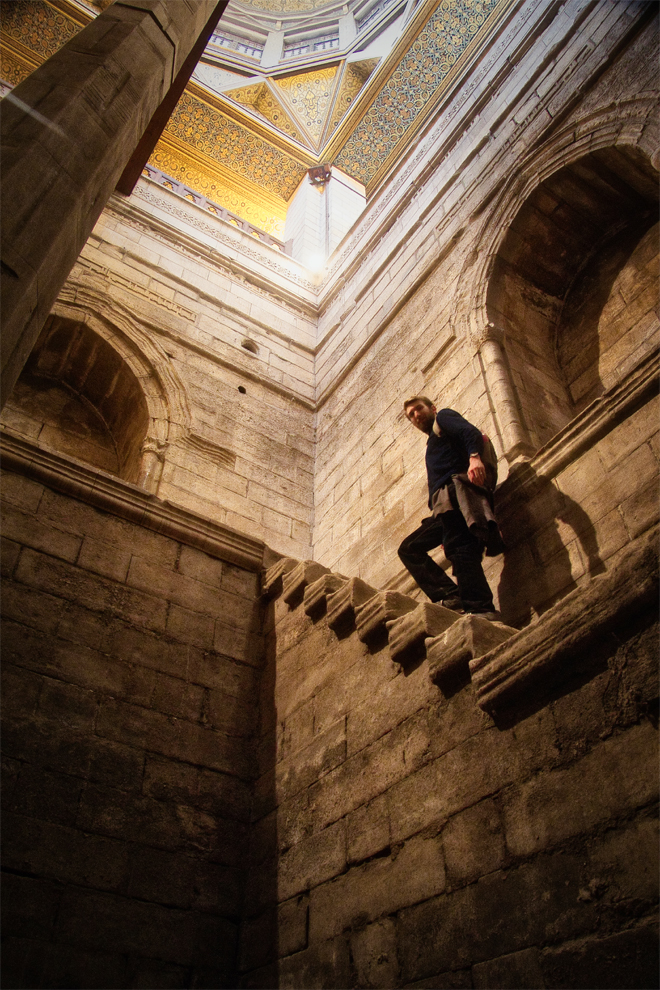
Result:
x=477 y=470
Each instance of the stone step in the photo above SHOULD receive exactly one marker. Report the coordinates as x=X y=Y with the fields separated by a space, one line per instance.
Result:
x=472 y=636
x=372 y=617
x=408 y=634
x=342 y=604
x=296 y=580
x=316 y=595
x=271 y=580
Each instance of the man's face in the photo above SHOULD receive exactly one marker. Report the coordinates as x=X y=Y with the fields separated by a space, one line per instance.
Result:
x=421 y=416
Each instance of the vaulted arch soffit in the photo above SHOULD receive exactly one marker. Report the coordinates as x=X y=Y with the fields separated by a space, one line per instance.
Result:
x=622 y=126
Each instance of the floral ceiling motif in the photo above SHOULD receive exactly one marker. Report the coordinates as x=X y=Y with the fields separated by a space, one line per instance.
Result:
x=268 y=130
x=429 y=60
x=36 y=25
x=222 y=140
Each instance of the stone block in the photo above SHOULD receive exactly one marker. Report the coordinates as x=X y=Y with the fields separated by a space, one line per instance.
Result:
x=376 y=889
x=325 y=965
x=190 y=627
x=375 y=956
x=9 y=554
x=30 y=531
x=473 y=843
x=471 y=636
x=46 y=795
x=342 y=604
x=292 y=925
x=179 y=783
x=65 y=854
x=371 y=619
x=173 y=696
x=21 y=491
x=271 y=584
x=105 y=559
x=368 y=830
x=325 y=752
x=626 y=859
x=407 y=635
x=617 y=777
x=626 y=959
x=99 y=594
x=312 y=861
x=505 y=912
x=516 y=971
x=316 y=594
x=296 y=580
x=31 y=906
x=68 y=704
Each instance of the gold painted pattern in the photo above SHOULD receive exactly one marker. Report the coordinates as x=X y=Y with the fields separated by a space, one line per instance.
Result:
x=309 y=95
x=243 y=202
x=262 y=101
x=204 y=128
x=354 y=78
x=451 y=28
x=36 y=25
x=12 y=69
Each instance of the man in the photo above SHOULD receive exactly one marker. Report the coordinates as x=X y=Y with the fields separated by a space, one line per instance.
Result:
x=460 y=487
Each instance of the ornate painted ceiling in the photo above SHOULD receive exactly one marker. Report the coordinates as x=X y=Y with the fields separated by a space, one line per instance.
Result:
x=247 y=128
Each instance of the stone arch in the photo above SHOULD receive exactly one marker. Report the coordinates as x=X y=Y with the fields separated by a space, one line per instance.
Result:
x=576 y=209
x=89 y=390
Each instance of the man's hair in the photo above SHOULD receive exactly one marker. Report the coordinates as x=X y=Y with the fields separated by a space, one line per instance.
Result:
x=416 y=398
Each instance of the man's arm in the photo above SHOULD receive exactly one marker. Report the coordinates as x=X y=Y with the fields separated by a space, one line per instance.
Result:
x=470 y=439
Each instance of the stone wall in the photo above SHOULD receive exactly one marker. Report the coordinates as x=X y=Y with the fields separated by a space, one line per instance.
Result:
x=465 y=250
x=405 y=837
x=130 y=672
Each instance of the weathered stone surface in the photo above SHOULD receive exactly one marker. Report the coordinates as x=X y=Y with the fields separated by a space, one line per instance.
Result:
x=317 y=593
x=468 y=638
x=536 y=657
x=407 y=635
x=371 y=618
x=519 y=971
x=296 y=580
x=343 y=603
x=271 y=584
x=377 y=889
x=625 y=959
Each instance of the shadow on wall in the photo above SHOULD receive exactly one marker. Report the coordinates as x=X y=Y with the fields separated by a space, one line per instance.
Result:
x=538 y=569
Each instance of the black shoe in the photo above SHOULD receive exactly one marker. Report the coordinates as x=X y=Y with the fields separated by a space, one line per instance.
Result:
x=453 y=603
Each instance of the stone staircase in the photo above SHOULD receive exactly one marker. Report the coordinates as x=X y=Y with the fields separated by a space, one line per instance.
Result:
x=413 y=631
x=505 y=665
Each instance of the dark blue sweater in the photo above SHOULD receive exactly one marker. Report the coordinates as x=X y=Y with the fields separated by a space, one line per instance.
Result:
x=449 y=453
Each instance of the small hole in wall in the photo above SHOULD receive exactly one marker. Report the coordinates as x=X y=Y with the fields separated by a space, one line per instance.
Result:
x=249 y=345
x=241 y=389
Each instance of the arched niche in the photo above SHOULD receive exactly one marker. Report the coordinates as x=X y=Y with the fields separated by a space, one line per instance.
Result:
x=580 y=235
x=78 y=395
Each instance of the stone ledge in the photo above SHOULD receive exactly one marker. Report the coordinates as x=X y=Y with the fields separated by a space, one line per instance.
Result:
x=408 y=634
x=296 y=580
x=535 y=659
x=371 y=619
x=273 y=578
x=316 y=594
x=111 y=494
x=467 y=639
x=343 y=604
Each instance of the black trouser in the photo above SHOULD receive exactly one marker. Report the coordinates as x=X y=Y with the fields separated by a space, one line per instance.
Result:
x=462 y=549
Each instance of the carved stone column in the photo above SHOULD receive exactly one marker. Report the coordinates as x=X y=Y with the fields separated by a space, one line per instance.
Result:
x=151 y=467
x=513 y=432
x=68 y=131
